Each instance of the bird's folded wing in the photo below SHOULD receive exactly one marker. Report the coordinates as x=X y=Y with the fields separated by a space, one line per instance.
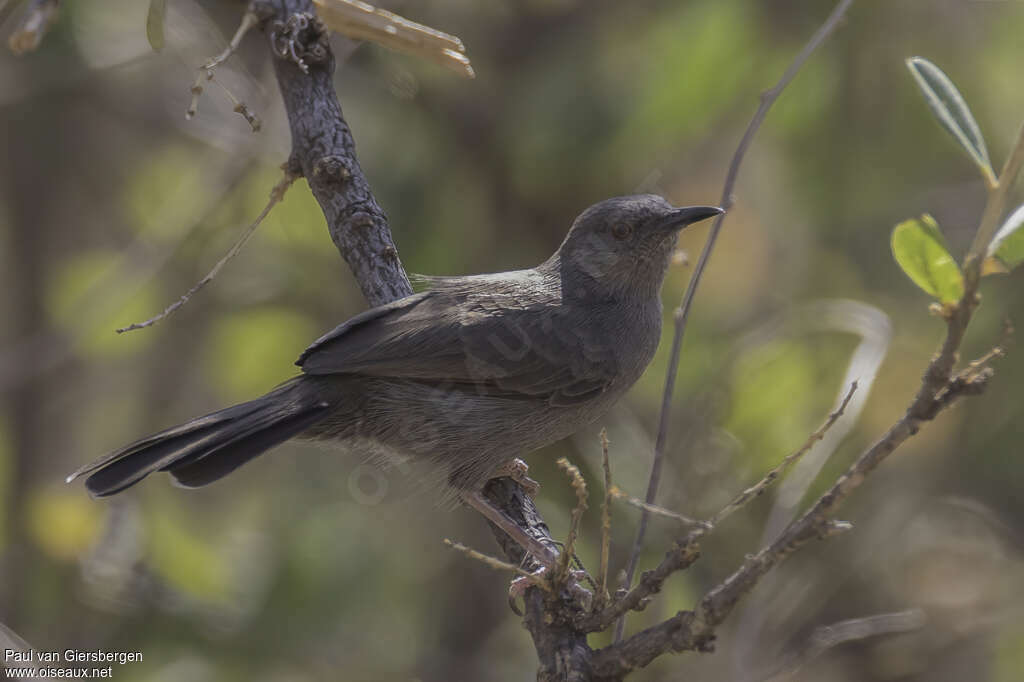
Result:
x=491 y=344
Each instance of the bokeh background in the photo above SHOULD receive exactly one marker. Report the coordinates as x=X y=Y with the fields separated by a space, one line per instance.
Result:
x=309 y=565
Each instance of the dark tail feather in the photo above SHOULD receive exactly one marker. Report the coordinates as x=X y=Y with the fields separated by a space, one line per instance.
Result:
x=207 y=448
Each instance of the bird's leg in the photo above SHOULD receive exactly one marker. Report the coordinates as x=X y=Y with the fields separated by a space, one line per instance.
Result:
x=532 y=545
x=518 y=471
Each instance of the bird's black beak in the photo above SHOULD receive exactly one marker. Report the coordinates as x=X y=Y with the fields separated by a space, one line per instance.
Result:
x=687 y=215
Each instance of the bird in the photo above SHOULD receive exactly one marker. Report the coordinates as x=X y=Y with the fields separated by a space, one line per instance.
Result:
x=466 y=375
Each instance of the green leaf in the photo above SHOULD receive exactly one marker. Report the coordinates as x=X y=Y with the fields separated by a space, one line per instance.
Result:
x=155 y=24
x=950 y=108
x=1008 y=244
x=919 y=248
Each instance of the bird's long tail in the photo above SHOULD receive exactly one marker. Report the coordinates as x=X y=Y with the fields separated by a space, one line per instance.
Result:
x=207 y=448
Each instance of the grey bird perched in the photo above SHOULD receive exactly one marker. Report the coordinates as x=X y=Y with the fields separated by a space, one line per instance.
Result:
x=467 y=375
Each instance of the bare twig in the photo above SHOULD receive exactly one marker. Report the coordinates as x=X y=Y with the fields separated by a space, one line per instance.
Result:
x=276 y=195
x=852 y=630
x=206 y=71
x=681 y=314
x=35 y=21
x=762 y=485
x=618 y=494
x=606 y=526
x=494 y=562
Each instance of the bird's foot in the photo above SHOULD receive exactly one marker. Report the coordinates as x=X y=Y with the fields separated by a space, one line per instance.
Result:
x=517 y=588
x=518 y=471
x=544 y=555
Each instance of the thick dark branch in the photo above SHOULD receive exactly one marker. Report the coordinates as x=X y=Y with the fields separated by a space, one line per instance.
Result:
x=550 y=618
x=324 y=151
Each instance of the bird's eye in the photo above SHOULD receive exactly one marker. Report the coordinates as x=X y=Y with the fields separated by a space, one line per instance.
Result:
x=622 y=231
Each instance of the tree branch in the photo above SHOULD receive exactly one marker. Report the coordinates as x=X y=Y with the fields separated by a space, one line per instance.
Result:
x=324 y=152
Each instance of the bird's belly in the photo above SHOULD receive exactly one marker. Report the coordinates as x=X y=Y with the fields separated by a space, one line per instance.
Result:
x=467 y=433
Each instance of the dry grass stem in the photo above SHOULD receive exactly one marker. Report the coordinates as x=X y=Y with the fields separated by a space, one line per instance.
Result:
x=606 y=525
x=579 y=486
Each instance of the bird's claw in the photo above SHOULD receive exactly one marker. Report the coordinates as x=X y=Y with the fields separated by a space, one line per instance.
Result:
x=517 y=588
x=518 y=471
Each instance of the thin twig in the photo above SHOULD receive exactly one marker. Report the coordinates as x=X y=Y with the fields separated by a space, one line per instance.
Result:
x=759 y=487
x=35 y=21
x=493 y=562
x=249 y=20
x=606 y=525
x=580 y=488
x=681 y=314
x=998 y=193
x=238 y=106
x=276 y=195
x=654 y=509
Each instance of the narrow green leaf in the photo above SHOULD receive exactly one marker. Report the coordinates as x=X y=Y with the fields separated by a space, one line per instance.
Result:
x=155 y=24
x=949 y=107
x=919 y=248
x=1008 y=244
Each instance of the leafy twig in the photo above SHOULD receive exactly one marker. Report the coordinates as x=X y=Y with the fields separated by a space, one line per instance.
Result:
x=695 y=630
x=994 y=209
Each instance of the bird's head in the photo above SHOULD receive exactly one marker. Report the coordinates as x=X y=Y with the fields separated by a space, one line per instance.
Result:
x=620 y=248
